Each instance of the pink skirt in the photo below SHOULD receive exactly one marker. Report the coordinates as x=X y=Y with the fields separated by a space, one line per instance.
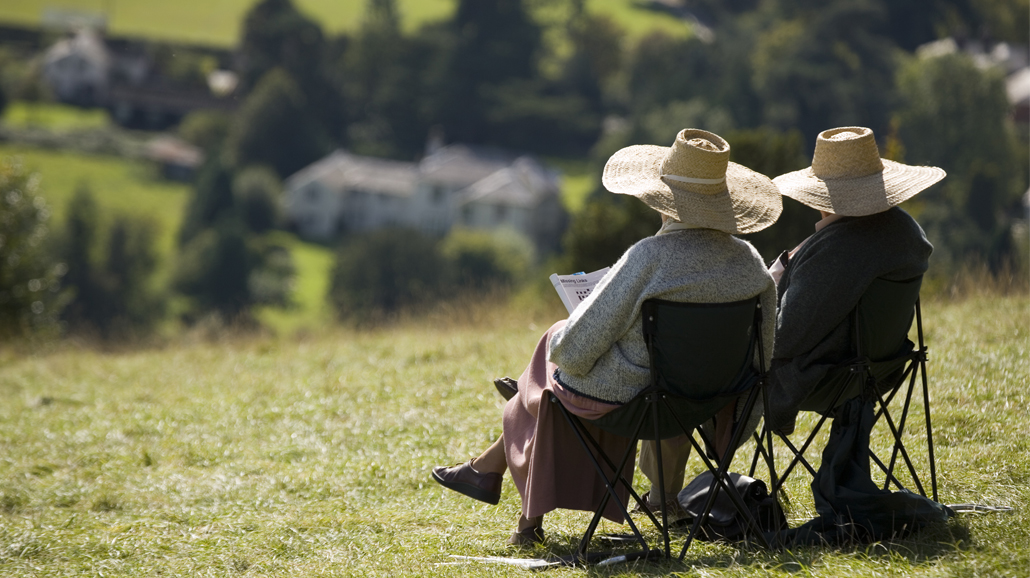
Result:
x=547 y=463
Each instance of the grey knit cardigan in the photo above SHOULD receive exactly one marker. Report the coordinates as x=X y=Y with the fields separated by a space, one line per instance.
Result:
x=820 y=286
x=600 y=352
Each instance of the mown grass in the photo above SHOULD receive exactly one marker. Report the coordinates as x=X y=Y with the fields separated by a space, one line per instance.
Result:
x=309 y=455
x=219 y=23
x=53 y=116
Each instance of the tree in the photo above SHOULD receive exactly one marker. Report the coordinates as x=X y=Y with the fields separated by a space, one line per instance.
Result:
x=30 y=277
x=132 y=306
x=212 y=199
x=774 y=153
x=273 y=127
x=596 y=56
x=109 y=277
x=277 y=35
x=955 y=115
x=256 y=192
x=606 y=226
x=494 y=41
x=824 y=68
x=213 y=270
x=87 y=309
x=378 y=76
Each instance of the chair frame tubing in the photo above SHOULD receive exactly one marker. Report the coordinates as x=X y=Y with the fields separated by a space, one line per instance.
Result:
x=655 y=396
x=860 y=365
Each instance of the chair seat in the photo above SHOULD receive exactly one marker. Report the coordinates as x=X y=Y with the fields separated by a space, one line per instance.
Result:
x=885 y=373
x=676 y=414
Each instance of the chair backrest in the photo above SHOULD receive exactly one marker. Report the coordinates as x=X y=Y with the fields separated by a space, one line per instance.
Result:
x=883 y=317
x=701 y=350
x=701 y=356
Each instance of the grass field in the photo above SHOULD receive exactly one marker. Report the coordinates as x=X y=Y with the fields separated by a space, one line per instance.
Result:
x=218 y=23
x=309 y=456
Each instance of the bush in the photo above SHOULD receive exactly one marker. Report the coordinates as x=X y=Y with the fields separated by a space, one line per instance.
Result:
x=480 y=259
x=382 y=272
x=206 y=129
x=30 y=277
x=226 y=271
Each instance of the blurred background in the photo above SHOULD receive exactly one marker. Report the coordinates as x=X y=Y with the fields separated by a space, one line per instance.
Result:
x=287 y=165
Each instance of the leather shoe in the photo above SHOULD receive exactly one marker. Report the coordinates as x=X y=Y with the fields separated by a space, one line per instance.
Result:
x=507 y=387
x=464 y=479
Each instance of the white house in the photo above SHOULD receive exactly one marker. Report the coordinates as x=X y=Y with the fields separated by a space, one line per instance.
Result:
x=455 y=185
x=78 y=68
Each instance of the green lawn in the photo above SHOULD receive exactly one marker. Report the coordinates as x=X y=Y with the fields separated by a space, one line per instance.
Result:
x=309 y=456
x=218 y=23
x=52 y=116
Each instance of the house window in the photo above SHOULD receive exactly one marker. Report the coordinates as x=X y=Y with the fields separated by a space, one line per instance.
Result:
x=500 y=213
x=436 y=193
x=466 y=214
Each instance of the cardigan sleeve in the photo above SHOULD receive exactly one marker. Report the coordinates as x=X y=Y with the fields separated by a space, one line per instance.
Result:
x=605 y=316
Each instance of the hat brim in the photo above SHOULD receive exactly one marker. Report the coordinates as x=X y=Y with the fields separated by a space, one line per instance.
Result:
x=860 y=196
x=749 y=202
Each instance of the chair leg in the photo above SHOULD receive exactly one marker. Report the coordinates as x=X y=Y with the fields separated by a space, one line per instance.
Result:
x=898 y=443
x=904 y=453
x=929 y=432
x=581 y=552
x=721 y=481
x=661 y=477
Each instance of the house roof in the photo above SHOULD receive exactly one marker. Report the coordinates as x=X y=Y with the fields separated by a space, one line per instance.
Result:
x=460 y=165
x=1018 y=86
x=342 y=170
x=86 y=43
x=523 y=184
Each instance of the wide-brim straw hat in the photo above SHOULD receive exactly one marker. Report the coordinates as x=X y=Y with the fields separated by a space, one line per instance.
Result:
x=694 y=182
x=848 y=177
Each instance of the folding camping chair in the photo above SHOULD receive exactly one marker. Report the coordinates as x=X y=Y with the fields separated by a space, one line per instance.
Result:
x=702 y=358
x=884 y=358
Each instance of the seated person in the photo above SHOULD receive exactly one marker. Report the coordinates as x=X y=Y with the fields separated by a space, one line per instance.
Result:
x=863 y=236
x=596 y=359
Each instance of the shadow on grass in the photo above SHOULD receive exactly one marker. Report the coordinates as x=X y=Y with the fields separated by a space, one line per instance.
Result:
x=924 y=547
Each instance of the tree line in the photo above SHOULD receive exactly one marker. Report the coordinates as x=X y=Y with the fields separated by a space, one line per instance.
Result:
x=557 y=79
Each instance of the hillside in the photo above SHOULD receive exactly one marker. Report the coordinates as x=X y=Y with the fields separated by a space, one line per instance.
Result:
x=310 y=456
x=218 y=23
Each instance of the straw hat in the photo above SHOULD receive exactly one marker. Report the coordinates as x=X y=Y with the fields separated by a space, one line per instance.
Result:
x=848 y=177
x=694 y=182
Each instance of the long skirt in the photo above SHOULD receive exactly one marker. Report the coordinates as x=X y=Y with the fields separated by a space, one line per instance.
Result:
x=546 y=461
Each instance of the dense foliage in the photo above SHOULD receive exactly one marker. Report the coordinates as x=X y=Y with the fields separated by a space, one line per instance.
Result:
x=30 y=278
x=109 y=272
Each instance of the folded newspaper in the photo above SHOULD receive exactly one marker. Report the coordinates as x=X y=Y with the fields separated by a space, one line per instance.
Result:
x=573 y=289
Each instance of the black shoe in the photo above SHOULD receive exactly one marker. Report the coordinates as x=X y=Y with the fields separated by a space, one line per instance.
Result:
x=507 y=387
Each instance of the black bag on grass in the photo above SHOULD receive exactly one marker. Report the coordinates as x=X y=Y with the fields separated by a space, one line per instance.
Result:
x=724 y=523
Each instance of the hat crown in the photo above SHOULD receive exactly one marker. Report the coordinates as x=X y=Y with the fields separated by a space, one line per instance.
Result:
x=846 y=152
x=697 y=162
